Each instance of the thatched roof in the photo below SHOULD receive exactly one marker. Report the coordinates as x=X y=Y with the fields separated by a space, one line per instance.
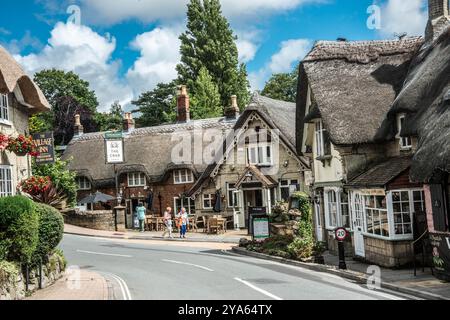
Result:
x=13 y=77
x=425 y=100
x=354 y=84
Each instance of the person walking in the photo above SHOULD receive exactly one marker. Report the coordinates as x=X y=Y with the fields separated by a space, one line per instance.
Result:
x=168 y=222
x=183 y=222
x=141 y=213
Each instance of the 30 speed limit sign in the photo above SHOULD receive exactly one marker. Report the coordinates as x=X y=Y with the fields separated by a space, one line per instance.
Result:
x=341 y=234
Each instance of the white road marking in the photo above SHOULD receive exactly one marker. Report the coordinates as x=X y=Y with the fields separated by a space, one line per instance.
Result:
x=189 y=264
x=105 y=254
x=258 y=289
x=123 y=286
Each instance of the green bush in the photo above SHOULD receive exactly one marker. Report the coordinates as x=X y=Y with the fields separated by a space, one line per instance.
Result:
x=9 y=272
x=301 y=201
x=302 y=248
x=19 y=228
x=51 y=229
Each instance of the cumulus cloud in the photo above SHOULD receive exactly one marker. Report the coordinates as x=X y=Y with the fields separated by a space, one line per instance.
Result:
x=78 y=48
x=291 y=52
x=159 y=55
x=398 y=16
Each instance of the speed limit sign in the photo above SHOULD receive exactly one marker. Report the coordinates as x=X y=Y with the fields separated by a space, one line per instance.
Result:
x=341 y=234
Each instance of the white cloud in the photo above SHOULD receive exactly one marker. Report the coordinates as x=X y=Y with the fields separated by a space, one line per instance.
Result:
x=85 y=52
x=159 y=55
x=398 y=16
x=291 y=52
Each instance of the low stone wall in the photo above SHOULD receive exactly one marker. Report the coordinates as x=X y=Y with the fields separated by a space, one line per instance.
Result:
x=390 y=254
x=12 y=281
x=97 y=220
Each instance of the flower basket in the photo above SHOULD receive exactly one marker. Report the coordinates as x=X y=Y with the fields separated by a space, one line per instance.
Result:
x=22 y=146
x=3 y=142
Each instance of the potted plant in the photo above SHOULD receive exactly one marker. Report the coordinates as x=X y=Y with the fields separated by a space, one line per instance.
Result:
x=22 y=146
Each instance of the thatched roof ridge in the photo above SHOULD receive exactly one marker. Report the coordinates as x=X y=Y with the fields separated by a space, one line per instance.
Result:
x=353 y=84
x=13 y=77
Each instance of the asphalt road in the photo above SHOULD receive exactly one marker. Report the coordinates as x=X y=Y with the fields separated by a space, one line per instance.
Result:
x=169 y=271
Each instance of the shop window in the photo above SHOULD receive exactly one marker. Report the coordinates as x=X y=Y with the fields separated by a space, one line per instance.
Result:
x=4 y=107
x=377 y=222
x=136 y=179
x=183 y=176
x=6 y=188
x=84 y=183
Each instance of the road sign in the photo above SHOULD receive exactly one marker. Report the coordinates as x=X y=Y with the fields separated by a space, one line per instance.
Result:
x=341 y=234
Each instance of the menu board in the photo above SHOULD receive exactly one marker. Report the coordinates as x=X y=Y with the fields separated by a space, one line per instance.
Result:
x=441 y=254
x=261 y=229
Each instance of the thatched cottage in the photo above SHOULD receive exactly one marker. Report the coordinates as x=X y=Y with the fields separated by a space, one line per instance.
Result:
x=20 y=97
x=160 y=172
x=361 y=148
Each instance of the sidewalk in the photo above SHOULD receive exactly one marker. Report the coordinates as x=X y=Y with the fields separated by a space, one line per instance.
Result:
x=424 y=285
x=92 y=286
x=229 y=237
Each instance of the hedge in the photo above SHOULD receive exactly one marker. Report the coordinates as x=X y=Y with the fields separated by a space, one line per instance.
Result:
x=19 y=229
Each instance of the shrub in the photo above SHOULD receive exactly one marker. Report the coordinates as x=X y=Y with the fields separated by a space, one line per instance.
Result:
x=8 y=272
x=19 y=228
x=51 y=229
x=302 y=248
x=302 y=202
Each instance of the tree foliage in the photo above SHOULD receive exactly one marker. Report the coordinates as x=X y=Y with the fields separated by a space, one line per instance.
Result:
x=205 y=102
x=157 y=106
x=282 y=86
x=209 y=42
x=112 y=120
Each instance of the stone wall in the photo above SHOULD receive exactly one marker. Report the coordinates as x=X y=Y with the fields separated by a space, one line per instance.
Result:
x=390 y=254
x=12 y=285
x=97 y=220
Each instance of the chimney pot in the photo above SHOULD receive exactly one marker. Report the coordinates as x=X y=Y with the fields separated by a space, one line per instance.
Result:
x=232 y=112
x=437 y=9
x=78 y=127
x=128 y=122
x=183 y=105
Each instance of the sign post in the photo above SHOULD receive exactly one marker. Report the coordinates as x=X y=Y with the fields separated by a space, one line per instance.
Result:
x=44 y=143
x=341 y=234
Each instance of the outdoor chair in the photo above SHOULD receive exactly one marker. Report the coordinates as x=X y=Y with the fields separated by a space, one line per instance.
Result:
x=213 y=225
x=205 y=224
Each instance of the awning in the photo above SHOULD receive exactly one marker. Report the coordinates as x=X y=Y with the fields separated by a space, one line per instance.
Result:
x=252 y=174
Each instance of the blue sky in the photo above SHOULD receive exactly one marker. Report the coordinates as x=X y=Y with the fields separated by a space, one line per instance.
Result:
x=124 y=47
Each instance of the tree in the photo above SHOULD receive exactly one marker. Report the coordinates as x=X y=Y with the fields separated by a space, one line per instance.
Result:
x=209 y=42
x=205 y=103
x=282 y=86
x=112 y=120
x=157 y=106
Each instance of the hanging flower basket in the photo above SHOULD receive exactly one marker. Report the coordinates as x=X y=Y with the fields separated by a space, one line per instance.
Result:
x=22 y=146
x=3 y=142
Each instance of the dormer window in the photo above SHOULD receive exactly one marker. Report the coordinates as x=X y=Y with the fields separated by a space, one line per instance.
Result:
x=4 y=107
x=136 y=179
x=323 y=143
x=260 y=154
x=183 y=176
x=83 y=183
x=405 y=142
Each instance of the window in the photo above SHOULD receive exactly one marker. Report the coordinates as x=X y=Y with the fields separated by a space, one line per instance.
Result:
x=323 y=143
x=287 y=187
x=233 y=198
x=186 y=203
x=4 y=105
x=404 y=205
x=83 y=183
x=337 y=209
x=332 y=208
x=377 y=222
x=345 y=212
x=259 y=154
x=6 y=188
x=183 y=176
x=405 y=142
x=208 y=200
x=136 y=179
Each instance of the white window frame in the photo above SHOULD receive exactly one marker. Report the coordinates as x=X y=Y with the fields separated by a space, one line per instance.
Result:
x=339 y=204
x=208 y=197
x=319 y=133
x=389 y=217
x=83 y=183
x=6 y=185
x=4 y=108
x=287 y=186
x=136 y=176
x=255 y=157
x=405 y=142
x=183 y=174
x=233 y=200
x=190 y=205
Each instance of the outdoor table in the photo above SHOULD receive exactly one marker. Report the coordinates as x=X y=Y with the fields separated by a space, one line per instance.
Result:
x=221 y=222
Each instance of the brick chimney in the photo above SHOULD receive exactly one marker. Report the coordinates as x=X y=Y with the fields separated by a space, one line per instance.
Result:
x=438 y=18
x=78 y=128
x=232 y=111
x=183 y=111
x=128 y=122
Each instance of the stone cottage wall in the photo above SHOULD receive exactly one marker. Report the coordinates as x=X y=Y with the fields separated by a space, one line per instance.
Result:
x=97 y=220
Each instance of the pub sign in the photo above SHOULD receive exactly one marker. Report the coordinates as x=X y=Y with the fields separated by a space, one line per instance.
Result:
x=45 y=146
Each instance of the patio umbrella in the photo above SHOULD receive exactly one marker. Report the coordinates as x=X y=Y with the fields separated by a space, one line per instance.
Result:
x=96 y=198
x=218 y=203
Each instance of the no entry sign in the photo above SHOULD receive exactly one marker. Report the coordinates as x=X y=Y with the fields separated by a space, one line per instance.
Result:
x=341 y=234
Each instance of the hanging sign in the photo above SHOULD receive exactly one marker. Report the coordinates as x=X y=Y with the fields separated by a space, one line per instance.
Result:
x=45 y=146
x=114 y=148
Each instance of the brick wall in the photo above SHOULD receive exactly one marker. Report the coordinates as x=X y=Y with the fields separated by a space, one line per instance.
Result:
x=390 y=254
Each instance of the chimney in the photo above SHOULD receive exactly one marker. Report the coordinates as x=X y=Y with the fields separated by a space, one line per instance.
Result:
x=183 y=111
x=128 y=122
x=78 y=128
x=438 y=18
x=232 y=112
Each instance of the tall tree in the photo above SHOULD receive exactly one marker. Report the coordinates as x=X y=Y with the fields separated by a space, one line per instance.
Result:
x=209 y=42
x=112 y=120
x=157 y=106
x=282 y=86
x=205 y=102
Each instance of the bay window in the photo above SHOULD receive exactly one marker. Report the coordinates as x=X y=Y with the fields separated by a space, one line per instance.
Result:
x=4 y=107
x=136 y=179
x=6 y=188
x=336 y=209
x=376 y=213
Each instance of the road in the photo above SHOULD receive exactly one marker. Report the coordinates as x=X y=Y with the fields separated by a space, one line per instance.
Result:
x=183 y=271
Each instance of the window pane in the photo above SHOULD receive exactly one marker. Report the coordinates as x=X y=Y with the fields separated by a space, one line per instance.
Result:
x=396 y=196
x=405 y=196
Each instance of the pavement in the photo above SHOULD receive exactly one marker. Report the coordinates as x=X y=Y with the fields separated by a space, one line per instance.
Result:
x=81 y=285
x=424 y=285
x=232 y=236
x=186 y=271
